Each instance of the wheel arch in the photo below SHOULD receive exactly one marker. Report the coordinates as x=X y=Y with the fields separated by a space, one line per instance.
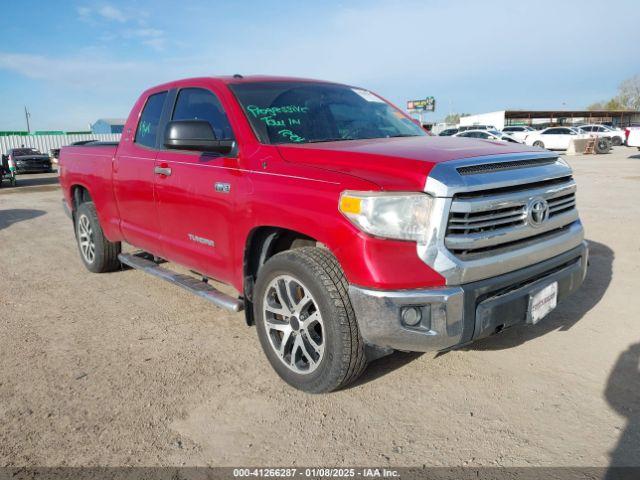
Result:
x=79 y=194
x=262 y=243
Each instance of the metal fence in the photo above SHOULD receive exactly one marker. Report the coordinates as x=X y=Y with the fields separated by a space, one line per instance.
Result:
x=45 y=143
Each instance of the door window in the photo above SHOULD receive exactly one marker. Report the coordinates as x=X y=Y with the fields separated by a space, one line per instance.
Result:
x=201 y=104
x=147 y=131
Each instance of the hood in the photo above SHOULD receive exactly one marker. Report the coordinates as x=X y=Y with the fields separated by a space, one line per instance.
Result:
x=394 y=163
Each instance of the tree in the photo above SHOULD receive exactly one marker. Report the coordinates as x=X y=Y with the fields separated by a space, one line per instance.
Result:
x=628 y=97
x=454 y=118
x=629 y=93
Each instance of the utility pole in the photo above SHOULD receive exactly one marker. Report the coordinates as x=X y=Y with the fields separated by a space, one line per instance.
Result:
x=27 y=115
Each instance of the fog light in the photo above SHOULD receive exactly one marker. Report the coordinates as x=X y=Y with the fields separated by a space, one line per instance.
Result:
x=411 y=316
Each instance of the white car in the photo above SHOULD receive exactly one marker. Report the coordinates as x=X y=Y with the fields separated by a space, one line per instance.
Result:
x=633 y=137
x=476 y=127
x=519 y=132
x=616 y=135
x=487 y=135
x=554 y=138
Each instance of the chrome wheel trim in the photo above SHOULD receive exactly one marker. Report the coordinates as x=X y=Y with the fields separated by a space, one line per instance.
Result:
x=86 y=239
x=293 y=324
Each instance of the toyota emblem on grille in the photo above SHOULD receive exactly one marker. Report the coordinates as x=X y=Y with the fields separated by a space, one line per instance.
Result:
x=537 y=211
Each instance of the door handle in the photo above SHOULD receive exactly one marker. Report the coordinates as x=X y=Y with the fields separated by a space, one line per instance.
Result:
x=166 y=171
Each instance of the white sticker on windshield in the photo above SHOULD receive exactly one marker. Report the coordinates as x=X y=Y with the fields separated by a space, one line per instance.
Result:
x=367 y=95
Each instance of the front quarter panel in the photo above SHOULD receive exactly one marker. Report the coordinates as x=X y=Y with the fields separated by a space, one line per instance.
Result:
x=305 y=199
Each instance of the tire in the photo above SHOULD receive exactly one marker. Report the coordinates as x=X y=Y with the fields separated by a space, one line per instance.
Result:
x=616 y=141
x=538 y=143
x=603 y=145
x=318 y=309
x=97 y=253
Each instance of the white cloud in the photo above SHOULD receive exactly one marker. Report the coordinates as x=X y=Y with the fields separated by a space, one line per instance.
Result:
x=112 y=13
x=133 y=26
x=155 y=43
x=84 y=71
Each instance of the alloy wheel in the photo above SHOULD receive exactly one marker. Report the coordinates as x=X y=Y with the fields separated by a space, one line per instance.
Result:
x=86 y=239
x=293 y=324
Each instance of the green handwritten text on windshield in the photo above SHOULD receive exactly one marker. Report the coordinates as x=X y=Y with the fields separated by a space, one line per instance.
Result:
x=272 y=111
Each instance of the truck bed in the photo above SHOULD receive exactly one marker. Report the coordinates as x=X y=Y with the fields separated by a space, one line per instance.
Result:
x=89 y=166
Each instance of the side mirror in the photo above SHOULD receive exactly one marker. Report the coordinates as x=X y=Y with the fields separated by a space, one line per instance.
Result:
x=194 y=135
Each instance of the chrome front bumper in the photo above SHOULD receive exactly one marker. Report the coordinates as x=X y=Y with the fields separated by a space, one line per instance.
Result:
x=454 y=316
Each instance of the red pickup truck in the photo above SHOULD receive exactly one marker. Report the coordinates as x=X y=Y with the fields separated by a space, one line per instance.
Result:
x=346 y=231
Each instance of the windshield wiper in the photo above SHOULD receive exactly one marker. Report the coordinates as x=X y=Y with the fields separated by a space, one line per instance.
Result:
x=403 y=135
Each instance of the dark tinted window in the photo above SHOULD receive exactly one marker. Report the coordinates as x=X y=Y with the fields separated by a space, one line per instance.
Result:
x=201 y=104
x=551 y=131
x=148 y=125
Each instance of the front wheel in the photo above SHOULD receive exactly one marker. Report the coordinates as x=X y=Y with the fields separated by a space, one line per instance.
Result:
x=305 y=321
x=538 y=143
x=97 y=253
x=616 y=141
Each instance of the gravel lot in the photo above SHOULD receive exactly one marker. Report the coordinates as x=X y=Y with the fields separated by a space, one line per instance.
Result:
x=124 y=369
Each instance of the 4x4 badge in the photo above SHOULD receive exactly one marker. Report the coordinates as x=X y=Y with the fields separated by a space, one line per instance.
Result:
x=222 y=187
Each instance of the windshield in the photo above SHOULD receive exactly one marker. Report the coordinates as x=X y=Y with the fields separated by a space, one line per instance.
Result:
x=18 y=152
x=302 y=112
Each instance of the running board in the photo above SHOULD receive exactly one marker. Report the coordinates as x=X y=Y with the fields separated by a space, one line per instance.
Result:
x=190 y=284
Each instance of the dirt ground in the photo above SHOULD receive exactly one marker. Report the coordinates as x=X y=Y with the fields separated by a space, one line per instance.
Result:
x=124 y=369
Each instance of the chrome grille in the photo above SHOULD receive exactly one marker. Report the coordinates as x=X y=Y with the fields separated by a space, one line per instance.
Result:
x=487 y=221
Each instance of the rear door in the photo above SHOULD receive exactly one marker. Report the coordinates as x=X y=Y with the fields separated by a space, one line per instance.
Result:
x=133 y=177
x=551 y=138
x=196 y=199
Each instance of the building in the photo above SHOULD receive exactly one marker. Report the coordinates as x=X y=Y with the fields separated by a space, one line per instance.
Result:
x=544 y=118
x=108 y=125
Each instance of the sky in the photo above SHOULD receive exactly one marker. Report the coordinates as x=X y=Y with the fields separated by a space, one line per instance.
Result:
x=72 y=62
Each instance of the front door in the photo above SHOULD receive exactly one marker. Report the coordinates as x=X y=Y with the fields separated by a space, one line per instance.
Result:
x=195 y=200
x=134 y=177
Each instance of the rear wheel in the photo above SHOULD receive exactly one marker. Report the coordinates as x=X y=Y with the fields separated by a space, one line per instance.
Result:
x=538 y=143
x=616 y=141
x=305 y=321
x=97 y=253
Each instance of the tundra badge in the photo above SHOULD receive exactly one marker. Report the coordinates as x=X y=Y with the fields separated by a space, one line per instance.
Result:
x=204 y=241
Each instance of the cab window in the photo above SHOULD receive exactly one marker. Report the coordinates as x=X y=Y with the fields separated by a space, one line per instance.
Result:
x=147 y=130
x=201 y=104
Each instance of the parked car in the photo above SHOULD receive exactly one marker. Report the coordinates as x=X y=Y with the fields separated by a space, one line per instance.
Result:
x=554 y=138
x=487 y=135
x=476 y=127
x=347 y=232
x=615 y=135
x=29 y=160
x=448 y=132
x=632 y=136
x=519 y=132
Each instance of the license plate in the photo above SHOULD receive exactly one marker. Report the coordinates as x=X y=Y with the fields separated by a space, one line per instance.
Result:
x=542 y=302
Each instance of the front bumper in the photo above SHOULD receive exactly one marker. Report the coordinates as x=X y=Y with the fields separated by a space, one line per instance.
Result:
x=454 y=316
x=23 y=169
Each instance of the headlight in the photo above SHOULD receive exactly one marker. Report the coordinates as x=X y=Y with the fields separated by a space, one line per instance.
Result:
x=403 y=216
